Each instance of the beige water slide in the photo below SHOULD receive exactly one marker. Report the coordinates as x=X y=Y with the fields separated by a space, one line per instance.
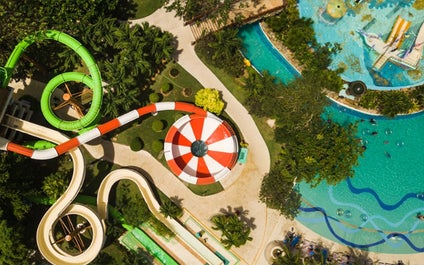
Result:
x=53 y=253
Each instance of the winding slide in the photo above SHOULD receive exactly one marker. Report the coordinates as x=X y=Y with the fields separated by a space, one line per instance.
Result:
x=189 y=239
x=63 y=205
x=93 y=80
x=98 y=131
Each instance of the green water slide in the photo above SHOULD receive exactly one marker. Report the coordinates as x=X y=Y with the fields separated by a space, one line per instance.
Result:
x=93 y=80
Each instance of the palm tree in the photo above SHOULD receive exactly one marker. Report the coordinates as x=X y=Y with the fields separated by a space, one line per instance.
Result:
x=170 y=209
x=234 y=231
x=226 y=45
x=289 y=258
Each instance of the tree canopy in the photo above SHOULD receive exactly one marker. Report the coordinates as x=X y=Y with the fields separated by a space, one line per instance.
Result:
x=20 y=19
x=223 y=48
x=234 y=231
x=313 y=149
x=209 y=99
x=198 y=10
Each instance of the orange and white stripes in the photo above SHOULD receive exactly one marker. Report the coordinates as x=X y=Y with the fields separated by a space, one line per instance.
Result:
x=217 y=143
x=99 y=130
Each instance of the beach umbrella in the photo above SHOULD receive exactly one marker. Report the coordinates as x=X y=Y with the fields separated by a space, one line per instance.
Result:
x=336 y=8
x=201 y=149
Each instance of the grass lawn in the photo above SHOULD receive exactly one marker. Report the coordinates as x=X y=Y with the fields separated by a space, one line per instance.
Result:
x=147 y=7
x=184 y=87
x=235 y=85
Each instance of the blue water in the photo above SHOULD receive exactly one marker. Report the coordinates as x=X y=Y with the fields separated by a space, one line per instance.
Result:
x=356 y=57
x=264 y=56
x=380 y=203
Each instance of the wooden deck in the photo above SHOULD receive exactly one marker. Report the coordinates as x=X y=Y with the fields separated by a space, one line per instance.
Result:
x=250 y=13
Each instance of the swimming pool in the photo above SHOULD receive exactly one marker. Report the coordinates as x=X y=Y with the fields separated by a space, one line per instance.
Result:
x=375 y=210
x=264 y=56
x=372 y=16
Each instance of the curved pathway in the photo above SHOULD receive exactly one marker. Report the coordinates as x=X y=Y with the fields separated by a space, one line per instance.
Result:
x=243 y=184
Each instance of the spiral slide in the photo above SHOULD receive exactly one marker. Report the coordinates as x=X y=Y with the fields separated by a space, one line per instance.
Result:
x=93 y=81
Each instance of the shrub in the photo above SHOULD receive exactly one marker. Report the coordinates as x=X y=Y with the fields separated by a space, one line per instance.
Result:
x=369 y=99
x=154 y=97
x=166 y=87
x=157 y=146
x=174 y=72
x=157 y=125
x=187 y=92
x=160 y=228
x=210 y=100
x=391 y=103
x=136 y=144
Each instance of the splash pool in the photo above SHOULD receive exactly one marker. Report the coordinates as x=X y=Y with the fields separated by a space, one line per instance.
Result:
x=372 y=16
x=375 y=210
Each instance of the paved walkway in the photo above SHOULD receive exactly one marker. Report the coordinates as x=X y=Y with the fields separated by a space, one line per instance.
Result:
x=242 y=185
x=245 y=182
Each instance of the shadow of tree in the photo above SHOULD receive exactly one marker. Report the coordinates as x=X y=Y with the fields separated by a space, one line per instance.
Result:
x=241 y=213
x=177 y=200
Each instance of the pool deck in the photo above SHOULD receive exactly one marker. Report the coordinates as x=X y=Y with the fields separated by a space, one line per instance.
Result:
x=243 y=184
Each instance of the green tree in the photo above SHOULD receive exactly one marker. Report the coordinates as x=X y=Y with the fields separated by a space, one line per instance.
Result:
x=157 y=146
x=136 y=144
x=131 y=203
x=199 y=10
x=55 y=185
x=16 y=182
x=234 y=231
x=133 y=55
x=277 y=191
x=391 y=103
x=299 y=106
x=369 y=99
x=223 y=48
x=210 y=100
x=12 y=249
x=158 y=125
x=289 y=258
x=154 y=97
x=263 y=93
x=168 y=208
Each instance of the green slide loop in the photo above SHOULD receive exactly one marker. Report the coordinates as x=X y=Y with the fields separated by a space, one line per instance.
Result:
x=49 y=114
x=93 y=80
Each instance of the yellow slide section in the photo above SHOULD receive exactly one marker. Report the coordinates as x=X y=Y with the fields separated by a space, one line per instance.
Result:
x=399 y=29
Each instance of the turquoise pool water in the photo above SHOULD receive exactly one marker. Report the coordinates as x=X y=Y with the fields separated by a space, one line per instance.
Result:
x=264 y=56
x=375 y=210
x=373 y=16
